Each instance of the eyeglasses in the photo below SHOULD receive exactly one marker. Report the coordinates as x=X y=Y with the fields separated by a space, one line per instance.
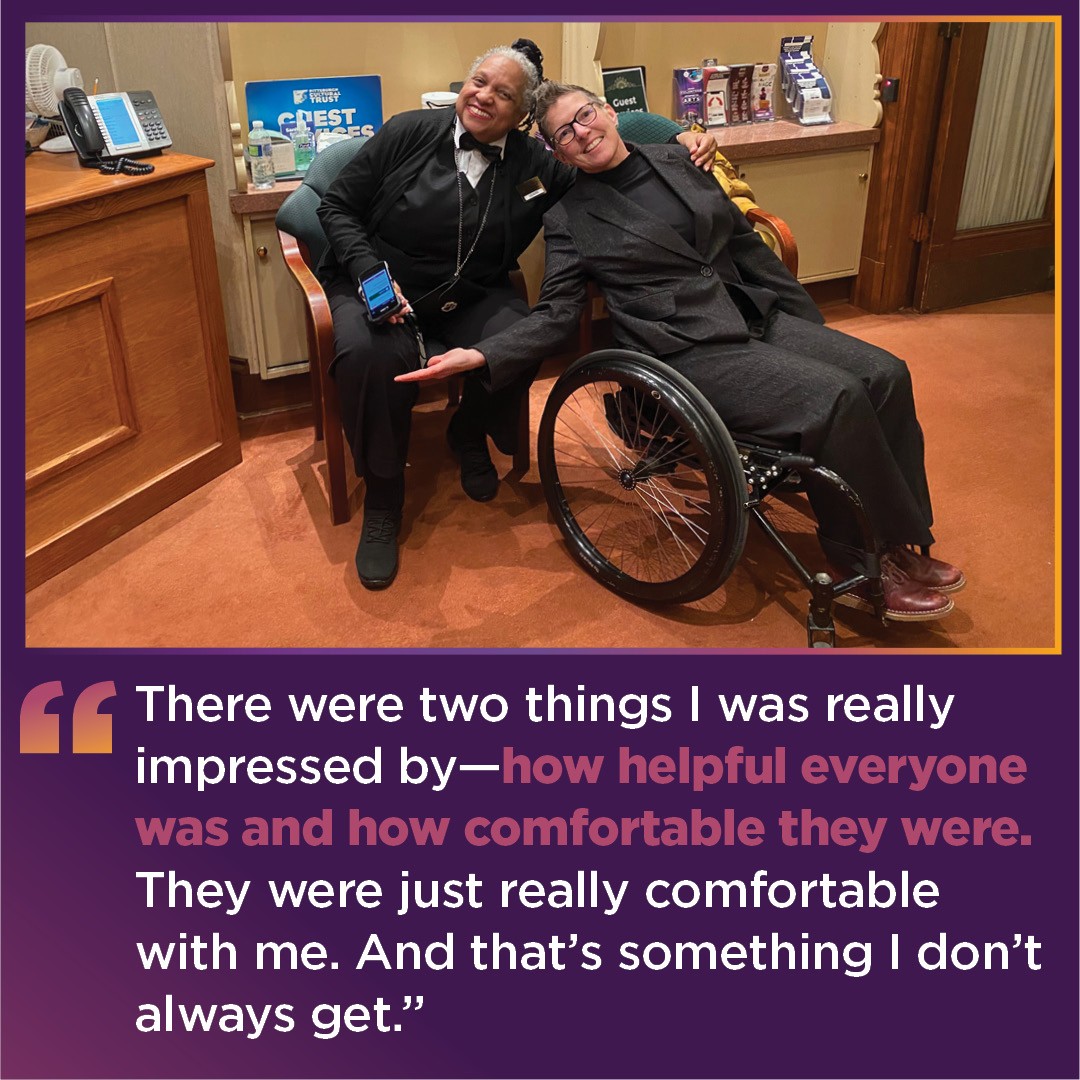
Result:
x=584 y=116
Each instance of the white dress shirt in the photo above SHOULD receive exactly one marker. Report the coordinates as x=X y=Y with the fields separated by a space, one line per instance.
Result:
x=471 y=162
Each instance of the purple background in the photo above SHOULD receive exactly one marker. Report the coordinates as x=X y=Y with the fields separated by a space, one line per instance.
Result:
x=72 y=907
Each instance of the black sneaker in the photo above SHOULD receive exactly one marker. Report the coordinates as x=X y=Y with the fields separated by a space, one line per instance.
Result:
x=376 y=554
x=479 y=480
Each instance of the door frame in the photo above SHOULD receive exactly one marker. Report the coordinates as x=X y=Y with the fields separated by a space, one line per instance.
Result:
x=975 y=264
x=916 y=54
x=915 y=188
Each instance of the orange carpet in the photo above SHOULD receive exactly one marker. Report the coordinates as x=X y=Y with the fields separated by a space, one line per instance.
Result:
x=251 y=559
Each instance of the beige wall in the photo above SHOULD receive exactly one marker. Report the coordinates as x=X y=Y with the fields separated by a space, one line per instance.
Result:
x=414 y=57
x=662 y=47
x=409 y=57
x=84 y=46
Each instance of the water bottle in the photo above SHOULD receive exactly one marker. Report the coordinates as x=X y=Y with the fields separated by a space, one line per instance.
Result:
x=261 y=153
x=303 y=141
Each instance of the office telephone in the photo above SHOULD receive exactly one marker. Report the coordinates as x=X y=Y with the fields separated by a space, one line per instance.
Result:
x=109 y=129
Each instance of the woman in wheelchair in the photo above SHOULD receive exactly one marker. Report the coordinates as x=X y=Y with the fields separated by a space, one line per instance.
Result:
x=693 y=291
x=448 y=200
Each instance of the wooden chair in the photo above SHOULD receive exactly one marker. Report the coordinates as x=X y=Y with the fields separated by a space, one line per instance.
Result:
x=303 y=244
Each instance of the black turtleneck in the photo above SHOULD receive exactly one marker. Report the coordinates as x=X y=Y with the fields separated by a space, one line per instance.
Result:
x=639 y=182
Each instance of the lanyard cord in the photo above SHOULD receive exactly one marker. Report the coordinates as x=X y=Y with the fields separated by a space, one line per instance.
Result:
x=461 y=218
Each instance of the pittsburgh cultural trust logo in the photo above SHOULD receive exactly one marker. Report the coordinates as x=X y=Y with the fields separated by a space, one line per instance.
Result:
x=91 y=729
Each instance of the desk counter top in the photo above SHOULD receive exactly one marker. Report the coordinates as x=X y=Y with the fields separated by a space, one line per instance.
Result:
x=262 y=202
x=54 y=180
x=782 y=138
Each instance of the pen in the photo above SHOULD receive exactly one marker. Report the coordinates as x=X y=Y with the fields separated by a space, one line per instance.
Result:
x=94 y=91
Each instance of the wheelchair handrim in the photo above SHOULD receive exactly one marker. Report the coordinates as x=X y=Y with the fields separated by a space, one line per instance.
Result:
x=717 y=545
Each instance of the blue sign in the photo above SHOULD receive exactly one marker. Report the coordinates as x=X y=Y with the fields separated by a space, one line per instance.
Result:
x=349 y=105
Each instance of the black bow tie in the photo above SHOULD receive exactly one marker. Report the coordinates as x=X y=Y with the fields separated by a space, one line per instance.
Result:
x=469 y=141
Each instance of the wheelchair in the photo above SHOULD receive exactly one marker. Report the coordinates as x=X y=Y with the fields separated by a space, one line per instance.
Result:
x=654 y=496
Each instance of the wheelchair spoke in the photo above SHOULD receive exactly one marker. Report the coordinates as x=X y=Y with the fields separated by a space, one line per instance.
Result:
x=646 y=451
x=584 y=463
x=617 y=538
x=599 y=452
x=659 y=561
x=703 y=507
x=634 y=438
x=640 y=554
x=609 y=523
x=631 y=440
x=669 y=458
x=664 y=508
x=603 y=437
x=604 y=511
x=657 y=511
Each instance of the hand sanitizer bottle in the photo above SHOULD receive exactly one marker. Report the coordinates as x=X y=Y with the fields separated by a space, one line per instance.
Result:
x=303 y=140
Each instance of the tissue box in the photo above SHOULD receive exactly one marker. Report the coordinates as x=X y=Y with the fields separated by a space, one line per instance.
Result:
x=284 y=157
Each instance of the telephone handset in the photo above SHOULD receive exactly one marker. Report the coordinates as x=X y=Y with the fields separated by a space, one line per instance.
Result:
x=107 y=127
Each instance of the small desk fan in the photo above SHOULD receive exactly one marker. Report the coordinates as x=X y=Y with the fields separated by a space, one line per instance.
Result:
x=47 y=77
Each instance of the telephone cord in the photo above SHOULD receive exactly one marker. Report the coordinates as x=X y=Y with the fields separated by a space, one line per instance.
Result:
x=124 y=165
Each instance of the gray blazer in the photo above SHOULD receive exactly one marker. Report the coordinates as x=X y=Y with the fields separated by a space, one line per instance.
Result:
x=664 y=295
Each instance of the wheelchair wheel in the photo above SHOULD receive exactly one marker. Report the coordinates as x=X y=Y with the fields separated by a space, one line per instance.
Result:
x=642 y=477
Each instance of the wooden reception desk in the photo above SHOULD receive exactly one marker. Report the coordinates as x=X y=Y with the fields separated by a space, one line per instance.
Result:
x=129 y=404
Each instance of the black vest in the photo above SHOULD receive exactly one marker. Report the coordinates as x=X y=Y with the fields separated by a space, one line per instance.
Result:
x=424 y=224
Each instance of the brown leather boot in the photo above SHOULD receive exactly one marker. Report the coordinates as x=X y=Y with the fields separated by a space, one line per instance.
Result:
x=932 y=573
x=906 y=600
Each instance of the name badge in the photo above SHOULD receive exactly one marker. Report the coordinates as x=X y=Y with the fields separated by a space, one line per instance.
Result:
x=531 y=189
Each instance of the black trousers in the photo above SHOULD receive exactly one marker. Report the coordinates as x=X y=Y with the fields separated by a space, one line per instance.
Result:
x=376 y=412
x=842 y=401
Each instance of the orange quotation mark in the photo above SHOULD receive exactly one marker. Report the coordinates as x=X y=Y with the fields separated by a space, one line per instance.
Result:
x=91 y=729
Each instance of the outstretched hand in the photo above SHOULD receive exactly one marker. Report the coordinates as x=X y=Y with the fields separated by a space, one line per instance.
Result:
x=445 y=365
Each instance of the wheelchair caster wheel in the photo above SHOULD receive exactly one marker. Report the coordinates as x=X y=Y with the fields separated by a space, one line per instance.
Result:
x=642 y=478
x=820 y=629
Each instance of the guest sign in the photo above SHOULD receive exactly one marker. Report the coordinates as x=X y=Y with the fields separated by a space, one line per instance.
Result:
x=624 y=89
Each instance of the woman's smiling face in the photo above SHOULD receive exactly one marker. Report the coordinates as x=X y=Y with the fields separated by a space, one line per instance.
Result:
x=593 y=147
x=489 y=104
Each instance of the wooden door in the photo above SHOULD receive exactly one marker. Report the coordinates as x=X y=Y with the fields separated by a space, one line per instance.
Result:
x=963 y=266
